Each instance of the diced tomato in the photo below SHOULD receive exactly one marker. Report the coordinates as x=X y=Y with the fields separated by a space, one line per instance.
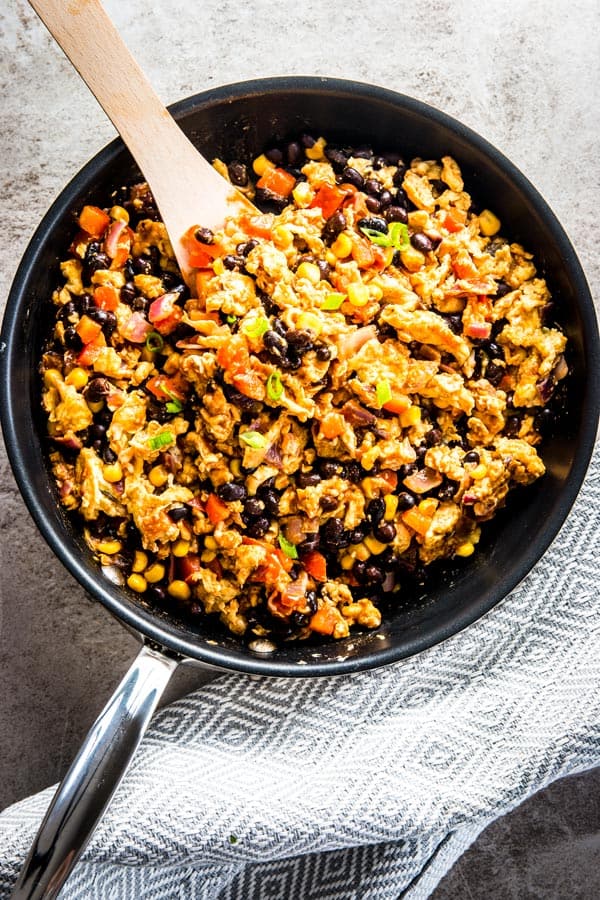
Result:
x=417 y=520
x=87 y=329
x=328 y=199
x=278 y=181
x=106 y=297
x=188 y=566
x=216 y=510
x=315 y=564
x=165 y=387
x=91 y=350
x=325 y=620
x=332 y=425
x=93 y=220
x=397 y=405
x=454 y=220
x=250 y=384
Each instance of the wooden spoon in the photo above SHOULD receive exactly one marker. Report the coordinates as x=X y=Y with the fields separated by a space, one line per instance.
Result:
x=187 y=189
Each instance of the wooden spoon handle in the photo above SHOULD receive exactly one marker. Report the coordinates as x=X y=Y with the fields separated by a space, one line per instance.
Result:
x=187 y=189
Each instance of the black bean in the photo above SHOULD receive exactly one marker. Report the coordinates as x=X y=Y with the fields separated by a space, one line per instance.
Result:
x=353 y=472
x=142 y=265
x=232 y=262
x=544 y=421
x=128 y=292
x=385 y=199
x=336 y=157
x=494 y=350
x=254 y=507
x=104 y=416
x=295 y=153
x=310 y=543
x=271 y=501
x=301 y=341
x=156 y=594
x=373 y=204
x=72 y=340
x=352 y=176
x=97 y=432
x=433 y=437
x=405 y=500
x=280 y=327
x=140 y=304
x=455 y=323
x=264 y=197
x=375 y=510
x=373 y=574
x=299 y=620
x=311 y=600
x=246 y=247
x=494 y=374
x=378 y=162
x=447 y=491
x=324 y=268
x=363 y=152
x=178 y=513
x=68 y=312
x=328 y=503
x=109 y=456
x=396 y=213
x=238 y=173
x=358 y=534
x=471 y=457
x=385 y=532
x=373 y=186
x=502 y=288
x=333 y=226
x=332 y=530
x=358 y=570
x=275 y=155
x=513 y=426
x=231 y=491
x=97 y=389
x=421 y=451
x=328 y=468
x=307 y=479
x=258 y=527
x=375 y=223
x=421 y=242
x=323 y=352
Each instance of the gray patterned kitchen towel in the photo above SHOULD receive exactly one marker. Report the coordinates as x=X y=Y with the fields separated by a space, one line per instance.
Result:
x=368 y=786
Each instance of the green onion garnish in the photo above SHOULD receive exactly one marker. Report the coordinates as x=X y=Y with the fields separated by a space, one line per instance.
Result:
x=231 y=320
x=384 y=392
x=288 y=548
x=154 y=342
x=274 y=386
x=174 y=406
x=396 y=236
x=333 y=301
x=254 y=439
x=161 y=440
x=256 y=328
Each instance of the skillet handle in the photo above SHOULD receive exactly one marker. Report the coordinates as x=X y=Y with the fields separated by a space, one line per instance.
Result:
x=94 y=775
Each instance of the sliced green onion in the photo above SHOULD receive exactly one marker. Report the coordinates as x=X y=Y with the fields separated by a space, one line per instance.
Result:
x=174 y=406
x=333 y=300
x=154 y=342
x=384 y=392
x=396 y=236
x=377 y=237
x=256 y=328
x=231 y=320
x=288 y=548
x=161 y=440
x=254 y=439
x=274 y=386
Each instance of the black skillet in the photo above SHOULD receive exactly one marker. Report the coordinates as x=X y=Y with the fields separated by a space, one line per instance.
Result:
x=237 y=121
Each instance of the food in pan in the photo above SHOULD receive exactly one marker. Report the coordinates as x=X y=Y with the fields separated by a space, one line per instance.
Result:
x=364 y=372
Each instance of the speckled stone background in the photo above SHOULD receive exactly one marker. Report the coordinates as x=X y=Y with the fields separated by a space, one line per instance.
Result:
x=526 y=75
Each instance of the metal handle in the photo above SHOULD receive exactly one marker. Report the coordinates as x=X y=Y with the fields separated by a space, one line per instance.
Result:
x=93 y=777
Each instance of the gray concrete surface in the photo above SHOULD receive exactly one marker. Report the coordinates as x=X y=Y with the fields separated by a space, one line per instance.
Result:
x=523 y=74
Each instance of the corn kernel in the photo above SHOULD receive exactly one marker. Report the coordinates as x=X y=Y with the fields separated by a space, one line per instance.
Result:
x=140 y=561
x=311 y=322
x=137 y=583
x=179 y=590
x=218 y=266
x=410 y=417
x=391 y=507
x=412 y=259
x=236 y=467
x=375 y=292
x=108 y=547
x=317 y=149
x=342 y=246
x=154 y=573
x=330 y=258
x=185 y=531
x=210 y=543
x=180 y=548
x=96 y=406
x=368 y=488
x=346 y=562
x=112 y=472
x=261 y=165
x=362 y=552
x=374 y=546
x=303 y=194
x=489 y=224
x=465 y=549
x=358 y=294
x=147 y=355
x=282 y=236
x=119 y=214
x=52 y=377
x=428 y=506
x=208 y=556
x=77 y=377
x=158 y=476
x=479 y=472
x=310 y=271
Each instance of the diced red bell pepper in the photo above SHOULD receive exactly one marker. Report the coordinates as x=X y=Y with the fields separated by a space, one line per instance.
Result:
x=454 y=220
x=216 y=510
x=233 y=356
x=188 y=566
x=165 y=387
x=91 y=350
x=278 y=181
x=363 y=252
x=88 y=329
x=328 y=198
x=478 y=330
x=250 y=384
x=324 y=620
x=106 y=297
x=93 y=220
x=315 y=564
